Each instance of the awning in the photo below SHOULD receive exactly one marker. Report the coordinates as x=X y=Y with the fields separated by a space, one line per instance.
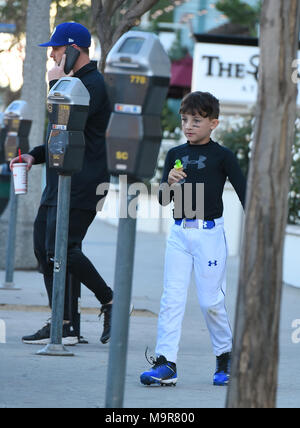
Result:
x=181 y=77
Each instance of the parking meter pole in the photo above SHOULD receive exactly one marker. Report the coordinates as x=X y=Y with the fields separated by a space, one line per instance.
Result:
x=121 y=307
x=56 y=348
x=68 y=106
x=11 y=241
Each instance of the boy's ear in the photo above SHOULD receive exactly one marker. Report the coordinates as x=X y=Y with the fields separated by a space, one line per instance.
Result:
x=214 y=123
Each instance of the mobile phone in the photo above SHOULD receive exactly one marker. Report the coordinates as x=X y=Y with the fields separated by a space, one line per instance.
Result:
x=72 y=55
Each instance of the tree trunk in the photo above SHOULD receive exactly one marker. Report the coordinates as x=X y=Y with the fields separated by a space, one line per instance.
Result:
x=34 y=92
x=111 y=24
x=255 y=357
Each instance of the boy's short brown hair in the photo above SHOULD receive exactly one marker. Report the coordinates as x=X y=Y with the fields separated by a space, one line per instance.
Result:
x=202 y=103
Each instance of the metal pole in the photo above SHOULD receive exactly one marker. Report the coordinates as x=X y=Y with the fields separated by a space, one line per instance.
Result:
x=11 y=240
x=56 y=348
x=121 y=305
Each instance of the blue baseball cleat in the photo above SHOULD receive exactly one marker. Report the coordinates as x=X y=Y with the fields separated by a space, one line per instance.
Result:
x=222 y=374
x=162 y=373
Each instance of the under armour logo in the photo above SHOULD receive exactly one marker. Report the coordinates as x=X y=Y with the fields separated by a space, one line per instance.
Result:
x=210 y=263
x=200 y=162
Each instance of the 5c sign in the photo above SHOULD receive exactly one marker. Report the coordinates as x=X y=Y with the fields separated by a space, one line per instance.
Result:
x=122 y=155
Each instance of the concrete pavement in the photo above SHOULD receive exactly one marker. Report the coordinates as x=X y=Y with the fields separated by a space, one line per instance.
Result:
x=30 y=381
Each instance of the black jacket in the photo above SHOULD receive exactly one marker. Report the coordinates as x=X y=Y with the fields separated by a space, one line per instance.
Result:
x=94 y=171
x=209 y=164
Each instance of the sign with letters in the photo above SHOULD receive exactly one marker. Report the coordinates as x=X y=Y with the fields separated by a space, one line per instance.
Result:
x=228 y=71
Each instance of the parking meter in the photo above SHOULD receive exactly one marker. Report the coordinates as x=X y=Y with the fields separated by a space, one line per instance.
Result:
x=68 y=105
x=137 y=75
x=17 y=120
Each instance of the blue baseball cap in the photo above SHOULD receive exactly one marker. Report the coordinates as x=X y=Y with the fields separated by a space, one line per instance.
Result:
x=70 y=33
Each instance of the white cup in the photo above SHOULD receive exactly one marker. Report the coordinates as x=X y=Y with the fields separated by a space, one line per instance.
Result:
x=20 y=178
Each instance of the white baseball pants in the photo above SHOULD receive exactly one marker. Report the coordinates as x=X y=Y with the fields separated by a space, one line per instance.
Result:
x=205 y=252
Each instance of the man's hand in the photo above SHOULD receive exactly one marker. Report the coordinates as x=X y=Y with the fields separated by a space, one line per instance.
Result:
x=58 y=70
x=175 y=176
x=26 y=159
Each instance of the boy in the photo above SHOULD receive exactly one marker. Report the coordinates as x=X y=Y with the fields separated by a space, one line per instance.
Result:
x=195 y=243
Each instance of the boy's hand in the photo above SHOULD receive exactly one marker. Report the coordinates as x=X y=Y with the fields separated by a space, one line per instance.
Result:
x=175 y=176
x=26 y=159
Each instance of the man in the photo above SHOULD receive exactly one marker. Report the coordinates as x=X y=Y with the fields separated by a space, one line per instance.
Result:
x=83 y=192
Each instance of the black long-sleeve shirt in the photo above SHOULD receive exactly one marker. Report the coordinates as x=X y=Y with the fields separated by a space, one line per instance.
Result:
x=94 y=170
x=209 y=164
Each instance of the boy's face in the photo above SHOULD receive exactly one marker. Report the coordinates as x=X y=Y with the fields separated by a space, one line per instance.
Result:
x=198 y=129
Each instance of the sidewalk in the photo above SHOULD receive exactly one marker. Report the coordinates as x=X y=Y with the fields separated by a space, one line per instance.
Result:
x=29 y=381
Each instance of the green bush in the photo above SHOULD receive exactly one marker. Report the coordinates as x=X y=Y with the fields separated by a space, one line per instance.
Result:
x=170 y=122
x=238 y=138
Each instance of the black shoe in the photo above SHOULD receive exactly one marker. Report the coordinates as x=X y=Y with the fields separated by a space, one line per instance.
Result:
x=106 y=310
x=69 y=336
x=162 y=373
x=43 y=336
x=222 y=374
